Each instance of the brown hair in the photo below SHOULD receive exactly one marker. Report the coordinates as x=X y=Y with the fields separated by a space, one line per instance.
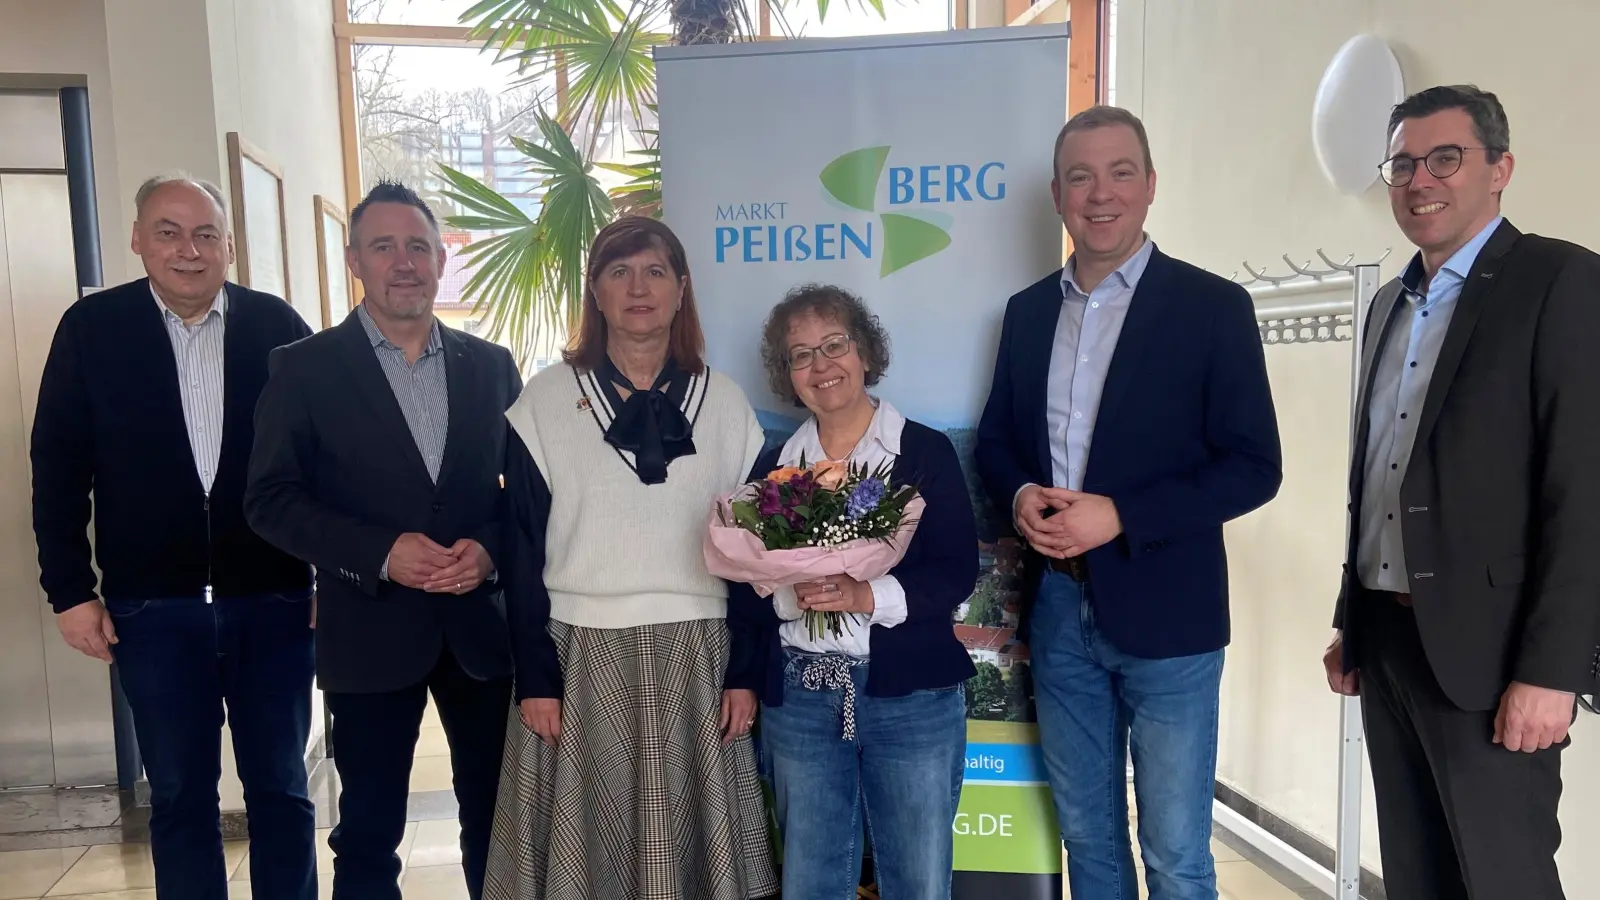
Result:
x=829 y=303
x=619 y=240
x=1102 y=117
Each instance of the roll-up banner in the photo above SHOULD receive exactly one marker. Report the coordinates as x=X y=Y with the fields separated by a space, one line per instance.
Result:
x=913 y=171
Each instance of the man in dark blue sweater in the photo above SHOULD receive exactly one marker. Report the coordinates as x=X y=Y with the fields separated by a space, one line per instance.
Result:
x=147 y=401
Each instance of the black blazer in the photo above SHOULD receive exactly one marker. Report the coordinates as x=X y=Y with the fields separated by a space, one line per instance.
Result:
x=336 y=478
x=1502 y=494
x=1185 y=440
x=110 y=421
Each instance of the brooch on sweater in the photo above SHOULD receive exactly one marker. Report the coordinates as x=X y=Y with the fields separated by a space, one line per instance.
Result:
x=583 y=404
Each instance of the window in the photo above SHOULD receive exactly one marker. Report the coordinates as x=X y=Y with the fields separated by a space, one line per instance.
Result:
x=424 y=96
x=1110 y=76
x=856 y=18
x=409 y=12
x=418 y=107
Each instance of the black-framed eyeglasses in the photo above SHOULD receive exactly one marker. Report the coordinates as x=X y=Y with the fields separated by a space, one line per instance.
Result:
x=1442 y=162
x=832 y=347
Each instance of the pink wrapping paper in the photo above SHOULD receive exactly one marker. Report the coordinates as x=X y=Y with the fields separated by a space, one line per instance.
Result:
x=739 y=555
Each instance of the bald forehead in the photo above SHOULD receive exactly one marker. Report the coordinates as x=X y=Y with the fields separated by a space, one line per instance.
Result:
x=181 y=197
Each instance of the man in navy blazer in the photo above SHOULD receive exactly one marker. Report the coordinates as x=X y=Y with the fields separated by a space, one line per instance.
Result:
x=1130 y=417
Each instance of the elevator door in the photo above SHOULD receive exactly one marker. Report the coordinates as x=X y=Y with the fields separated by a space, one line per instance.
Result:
x=55 y=704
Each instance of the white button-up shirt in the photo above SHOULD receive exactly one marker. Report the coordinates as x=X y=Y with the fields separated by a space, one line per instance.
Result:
x=880 y=445
x=197 y=350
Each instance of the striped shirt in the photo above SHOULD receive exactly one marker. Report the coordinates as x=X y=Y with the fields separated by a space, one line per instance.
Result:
x=197 y=349
x=421 y=388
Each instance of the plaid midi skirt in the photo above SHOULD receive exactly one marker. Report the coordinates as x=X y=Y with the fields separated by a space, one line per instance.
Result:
x=639 y=800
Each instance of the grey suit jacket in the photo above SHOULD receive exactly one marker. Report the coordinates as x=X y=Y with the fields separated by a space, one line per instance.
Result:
x=1501 y=501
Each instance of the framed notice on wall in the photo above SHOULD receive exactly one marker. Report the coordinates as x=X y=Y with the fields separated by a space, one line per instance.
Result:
x=338 y=292
x=260 y=221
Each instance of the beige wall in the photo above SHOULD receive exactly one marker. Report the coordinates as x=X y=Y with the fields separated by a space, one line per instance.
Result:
x=186 y=72
x=171 y=78
x=161 y=100
x=273 y=66
x=1225 y=88
x=68 y=37
x=273 y=82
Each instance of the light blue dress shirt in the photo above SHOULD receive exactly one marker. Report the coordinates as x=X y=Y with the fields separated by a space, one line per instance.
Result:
x=1086 y=336
x=1404 y=368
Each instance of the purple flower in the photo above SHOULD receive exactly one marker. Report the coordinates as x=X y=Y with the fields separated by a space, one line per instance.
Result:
x=864 y=499
x=803 y=488
x=771 y=502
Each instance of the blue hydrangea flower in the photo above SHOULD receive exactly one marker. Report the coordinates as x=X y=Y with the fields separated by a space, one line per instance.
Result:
x=864 y=499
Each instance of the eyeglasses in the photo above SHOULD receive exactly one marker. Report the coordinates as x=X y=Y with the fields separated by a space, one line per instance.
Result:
x=1442 y=162
x=832 y=347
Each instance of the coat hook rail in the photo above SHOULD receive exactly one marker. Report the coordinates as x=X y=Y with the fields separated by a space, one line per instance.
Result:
x=1301 y=274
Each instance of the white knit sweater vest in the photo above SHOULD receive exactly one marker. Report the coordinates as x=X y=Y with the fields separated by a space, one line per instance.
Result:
x=620 y=553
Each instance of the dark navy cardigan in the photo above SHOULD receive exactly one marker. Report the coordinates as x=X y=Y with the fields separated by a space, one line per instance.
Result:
x=938 y=572
x=110 y=422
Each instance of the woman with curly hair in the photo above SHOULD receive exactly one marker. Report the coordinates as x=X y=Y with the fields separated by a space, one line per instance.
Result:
x=872 y=720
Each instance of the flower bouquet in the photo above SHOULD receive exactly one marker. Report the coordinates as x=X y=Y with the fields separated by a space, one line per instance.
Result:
x=803 y=523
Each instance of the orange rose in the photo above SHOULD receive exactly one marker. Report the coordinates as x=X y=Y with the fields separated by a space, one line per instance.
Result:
x=785 y=474
x=830 y=475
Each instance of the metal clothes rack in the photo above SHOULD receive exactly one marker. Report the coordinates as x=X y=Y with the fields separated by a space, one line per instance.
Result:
x=1286 y=318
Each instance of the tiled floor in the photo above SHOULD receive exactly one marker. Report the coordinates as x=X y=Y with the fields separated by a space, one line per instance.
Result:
x=114 y=870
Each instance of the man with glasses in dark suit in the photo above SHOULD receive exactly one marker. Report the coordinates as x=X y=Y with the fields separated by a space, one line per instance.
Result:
x=1470 y=609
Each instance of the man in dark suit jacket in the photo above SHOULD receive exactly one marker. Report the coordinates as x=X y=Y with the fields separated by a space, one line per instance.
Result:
x=379 y=450
x=1130 y=417
x=1470 y=608
x=146 y=404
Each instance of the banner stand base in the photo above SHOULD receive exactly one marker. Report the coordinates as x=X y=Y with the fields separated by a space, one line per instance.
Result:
x=1010 y=885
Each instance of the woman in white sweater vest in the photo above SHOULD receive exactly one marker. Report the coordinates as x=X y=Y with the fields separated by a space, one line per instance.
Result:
x=633 y=773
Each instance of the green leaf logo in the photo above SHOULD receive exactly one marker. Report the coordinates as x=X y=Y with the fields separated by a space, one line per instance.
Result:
x=852 y=180
x=907 y=240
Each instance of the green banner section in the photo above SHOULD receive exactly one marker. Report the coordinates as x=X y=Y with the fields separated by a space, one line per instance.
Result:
x=1004 y=825
x=1007 y=828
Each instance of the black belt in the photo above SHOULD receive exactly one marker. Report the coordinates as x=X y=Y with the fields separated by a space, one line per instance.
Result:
x=1074 y=567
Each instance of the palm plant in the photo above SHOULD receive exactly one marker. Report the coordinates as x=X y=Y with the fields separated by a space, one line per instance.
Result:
x=528 y=277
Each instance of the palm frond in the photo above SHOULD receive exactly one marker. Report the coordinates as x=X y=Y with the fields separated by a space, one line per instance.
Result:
x=510 y=26
x=608 y=71
x=528 y=275
x=641 y=195
x=601 y=47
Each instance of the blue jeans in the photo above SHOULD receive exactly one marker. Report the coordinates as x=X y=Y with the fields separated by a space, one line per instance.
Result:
x=901 y=770
x=1095 y=703
x=181 y=661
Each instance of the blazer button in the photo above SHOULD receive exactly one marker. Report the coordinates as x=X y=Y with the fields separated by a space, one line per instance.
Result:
x=437 y=507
